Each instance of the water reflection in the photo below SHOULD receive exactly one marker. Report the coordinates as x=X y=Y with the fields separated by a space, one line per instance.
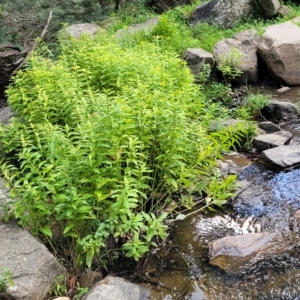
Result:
x=276 y=276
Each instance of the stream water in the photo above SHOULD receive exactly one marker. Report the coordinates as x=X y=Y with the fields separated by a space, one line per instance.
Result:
x=181 y=270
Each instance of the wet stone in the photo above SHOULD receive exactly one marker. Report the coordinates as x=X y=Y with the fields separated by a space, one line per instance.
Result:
x=269 y=127
x=232 y=252
x=283 y=156
x=267 y=141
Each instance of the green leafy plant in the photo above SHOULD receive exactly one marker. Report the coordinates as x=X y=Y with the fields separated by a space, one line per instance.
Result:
x=229 y=65
x=6 y=280
x=103 y=142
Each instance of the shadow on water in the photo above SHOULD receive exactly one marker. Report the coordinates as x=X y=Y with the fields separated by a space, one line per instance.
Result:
x=184 y=269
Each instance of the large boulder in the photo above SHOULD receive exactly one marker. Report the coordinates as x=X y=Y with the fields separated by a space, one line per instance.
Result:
x=280 y=50
x=241 y=51
x=221 y=12
x=196 y=58
x=278 y=110
x=76 y=30
x=34 y=269
x=270 y=7
x=136 y=28
x=162 y=5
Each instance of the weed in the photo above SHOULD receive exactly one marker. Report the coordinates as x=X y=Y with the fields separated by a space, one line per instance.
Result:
x=6 y=280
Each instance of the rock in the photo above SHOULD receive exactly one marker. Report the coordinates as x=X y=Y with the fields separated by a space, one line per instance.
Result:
x=242 y=52
x=266 y=141
x=283 y=89
x=34 y=269
x=283 y=11
x=113 y=288
x=162 y=5
x=135 y=28
x=269 y=127
x=196 y=58
x=270 y=7
x=89 y=278
x=77 y=30
x=249 y=199
x=61 y=298
x=231 y=252
x=5 y=200
x=221 y=12
x=279 y=48
x=6 y=113
x=283 y=156
x=280 y=110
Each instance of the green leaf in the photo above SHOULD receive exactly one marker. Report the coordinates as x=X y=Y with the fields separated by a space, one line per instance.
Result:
x=89 y=257
x=46 y=230
x=69 y=226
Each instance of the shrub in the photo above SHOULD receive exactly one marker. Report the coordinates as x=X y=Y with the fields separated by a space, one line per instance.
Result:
x=103 y=141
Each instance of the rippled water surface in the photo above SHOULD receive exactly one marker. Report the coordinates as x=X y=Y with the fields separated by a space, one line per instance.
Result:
x=185 y=272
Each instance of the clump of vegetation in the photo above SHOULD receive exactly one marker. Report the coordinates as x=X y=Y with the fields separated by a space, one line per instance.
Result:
x=6 y=280
x=107 y=146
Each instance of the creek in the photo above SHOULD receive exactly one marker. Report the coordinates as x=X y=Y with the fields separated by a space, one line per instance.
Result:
x=180 y=269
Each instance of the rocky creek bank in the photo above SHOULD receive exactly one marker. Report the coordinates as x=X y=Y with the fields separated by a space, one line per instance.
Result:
x=255 y=243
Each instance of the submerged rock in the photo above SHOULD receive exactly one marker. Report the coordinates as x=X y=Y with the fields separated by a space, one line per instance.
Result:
x=266 y=141
x=283 y=156
x=231 y=252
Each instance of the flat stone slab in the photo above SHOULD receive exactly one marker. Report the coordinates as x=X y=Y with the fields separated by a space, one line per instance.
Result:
x=283 y=156
x=116 y=288
x=230 y=252
x=34 y=269
x=271 y=140
x=269 y=127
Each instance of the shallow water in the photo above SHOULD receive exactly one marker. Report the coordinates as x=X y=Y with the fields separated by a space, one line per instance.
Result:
x=291 y=95
x=185 y=272
x=181 y=270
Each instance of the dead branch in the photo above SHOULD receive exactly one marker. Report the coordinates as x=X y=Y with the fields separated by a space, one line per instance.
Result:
x=32 y=46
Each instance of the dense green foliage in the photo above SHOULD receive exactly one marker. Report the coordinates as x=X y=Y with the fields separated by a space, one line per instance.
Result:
x=106 y=145
x=114 y=135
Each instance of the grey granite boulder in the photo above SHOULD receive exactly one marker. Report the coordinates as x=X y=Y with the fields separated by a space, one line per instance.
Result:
x=270 y=7
x=34 y=269
x=283 y=156
x=136 y=28
x=221 y=12
x=6 y=113
x=266 y=141
x=279 y=48
x=241 y=50
x=196 y=58
x=115 y=288
x=269 y=127
x=76 y=30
